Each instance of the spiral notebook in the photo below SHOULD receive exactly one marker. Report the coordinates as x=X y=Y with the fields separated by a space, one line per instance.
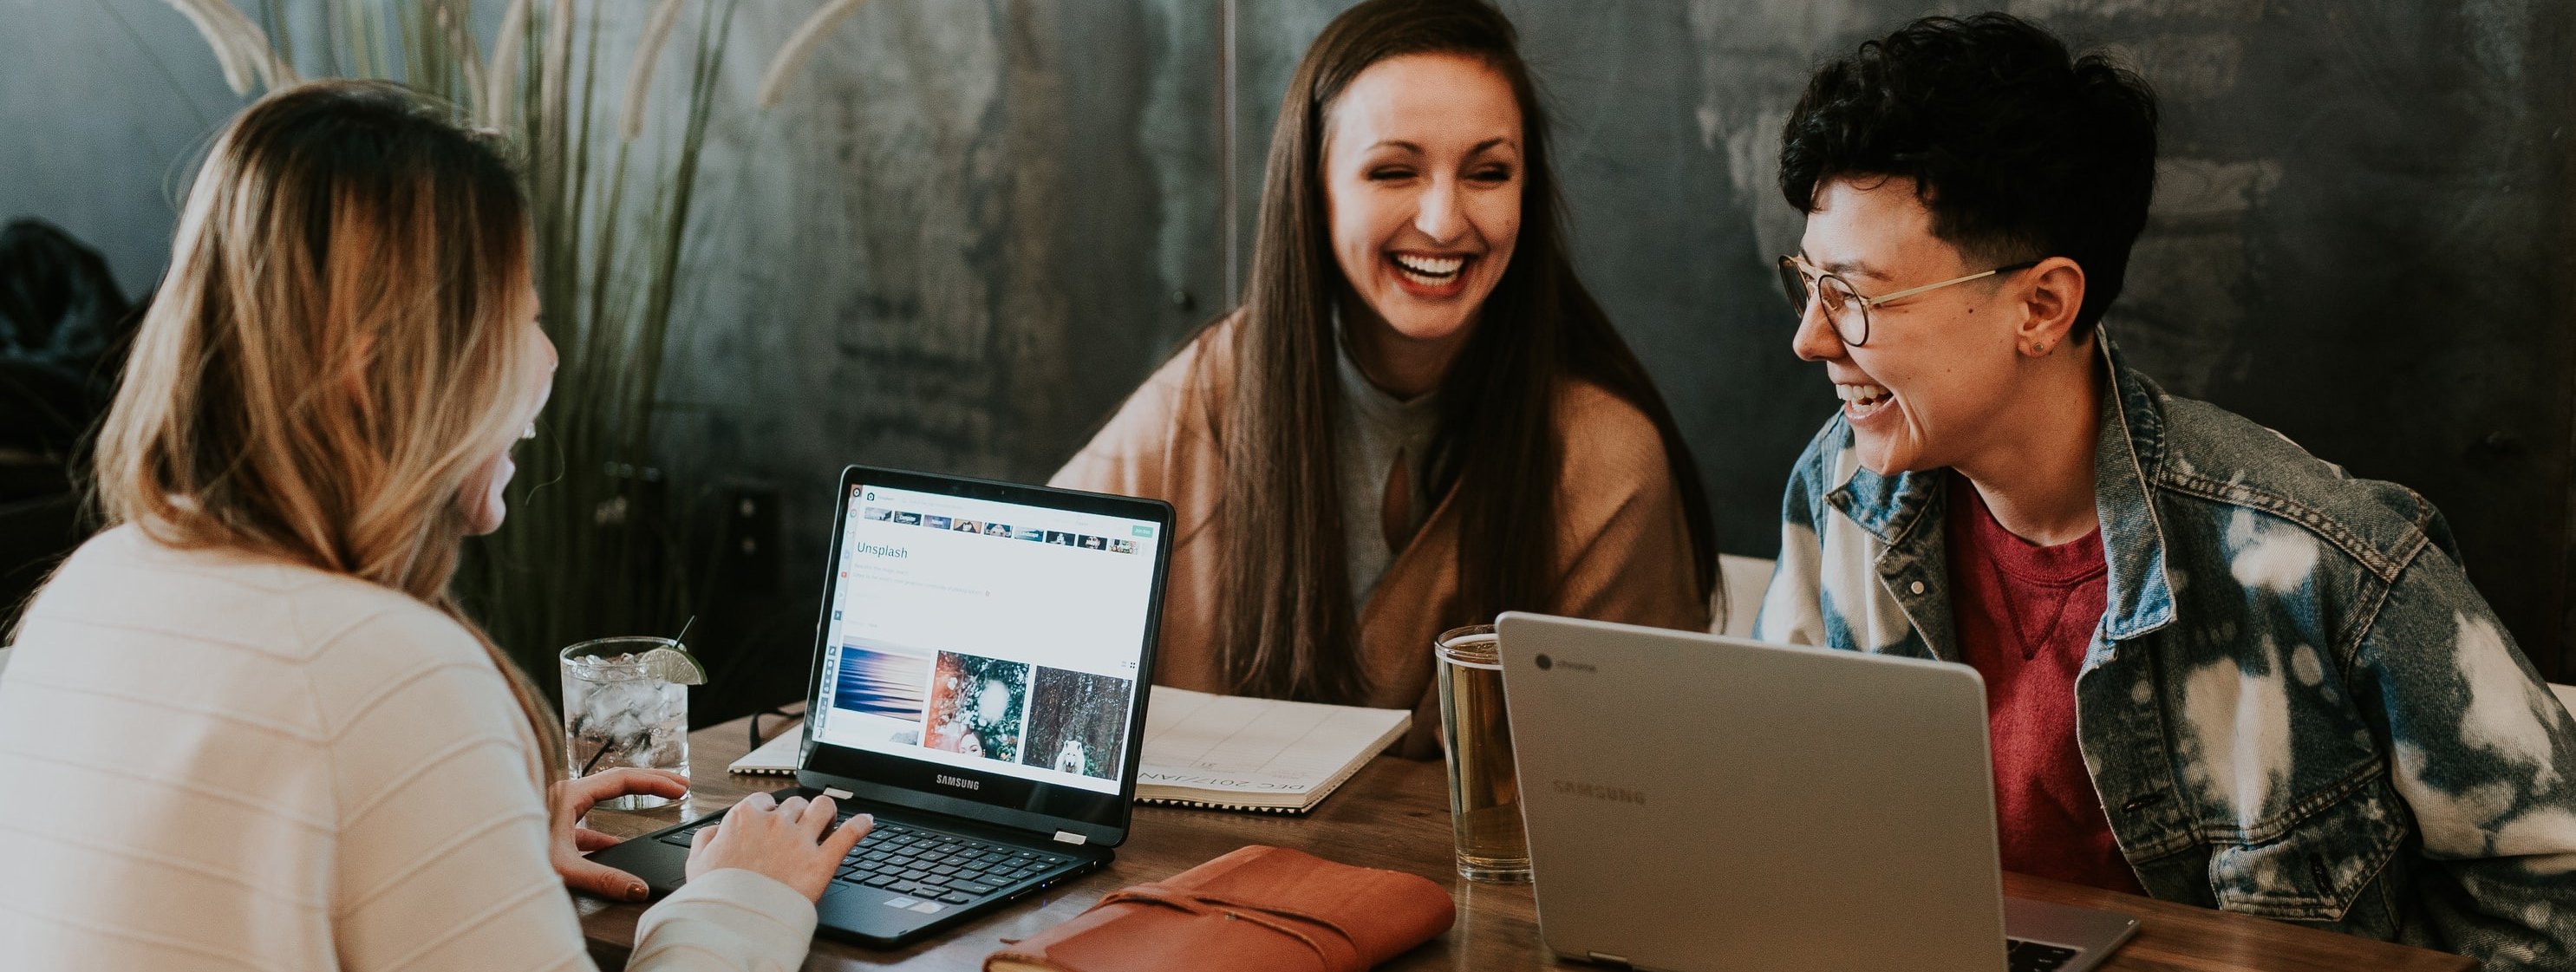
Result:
x=1233 y=753
x=776 y=757
x=1221 y=751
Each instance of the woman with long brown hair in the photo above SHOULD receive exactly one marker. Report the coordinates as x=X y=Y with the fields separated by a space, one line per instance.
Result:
x=1418 y=418
x=246 y=726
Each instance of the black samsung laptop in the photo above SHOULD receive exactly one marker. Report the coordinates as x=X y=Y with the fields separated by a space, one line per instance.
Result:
x=979 y=685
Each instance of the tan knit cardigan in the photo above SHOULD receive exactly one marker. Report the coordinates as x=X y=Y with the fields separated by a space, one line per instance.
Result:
x=1623 y=550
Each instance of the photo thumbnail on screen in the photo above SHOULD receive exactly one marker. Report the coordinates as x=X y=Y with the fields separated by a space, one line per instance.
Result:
x=883 y=681
x=1077 y=723
x=976 y=706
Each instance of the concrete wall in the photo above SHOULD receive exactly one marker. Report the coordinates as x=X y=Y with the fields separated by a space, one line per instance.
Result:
x=103 y=109
x=975 y=225
x=970 y=231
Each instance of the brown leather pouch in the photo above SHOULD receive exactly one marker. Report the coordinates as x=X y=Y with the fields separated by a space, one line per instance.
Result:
x=1265 y=908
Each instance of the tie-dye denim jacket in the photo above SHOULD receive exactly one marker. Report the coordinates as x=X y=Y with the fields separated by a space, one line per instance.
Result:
x=2295 y=705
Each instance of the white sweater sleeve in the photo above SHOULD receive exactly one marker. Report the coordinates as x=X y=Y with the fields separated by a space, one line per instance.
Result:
x=442 y=842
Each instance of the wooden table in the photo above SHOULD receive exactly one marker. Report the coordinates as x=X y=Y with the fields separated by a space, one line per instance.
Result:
x=1395 y=814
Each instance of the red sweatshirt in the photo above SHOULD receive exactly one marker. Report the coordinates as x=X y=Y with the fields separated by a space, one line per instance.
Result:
x=2025 y=615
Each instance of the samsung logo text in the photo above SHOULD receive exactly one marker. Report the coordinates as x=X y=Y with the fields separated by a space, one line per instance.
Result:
x=1596 y=791
x=959 y=782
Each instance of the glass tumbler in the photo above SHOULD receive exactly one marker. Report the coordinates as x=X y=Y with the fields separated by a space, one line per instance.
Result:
x=1484 y=789
x=616 y=713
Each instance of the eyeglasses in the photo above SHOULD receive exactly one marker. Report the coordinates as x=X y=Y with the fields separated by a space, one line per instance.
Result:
x=1846 y=308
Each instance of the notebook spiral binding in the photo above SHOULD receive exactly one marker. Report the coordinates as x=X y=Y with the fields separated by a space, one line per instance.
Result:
x=1205 y=805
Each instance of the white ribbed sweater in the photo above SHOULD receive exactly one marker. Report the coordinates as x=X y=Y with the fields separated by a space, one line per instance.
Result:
x=211 y=761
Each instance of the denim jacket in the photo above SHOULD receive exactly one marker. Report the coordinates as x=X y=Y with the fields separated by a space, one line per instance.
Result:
x=2295 y=705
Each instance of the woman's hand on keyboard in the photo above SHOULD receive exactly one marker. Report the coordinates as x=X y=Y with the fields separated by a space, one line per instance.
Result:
x=787 y=841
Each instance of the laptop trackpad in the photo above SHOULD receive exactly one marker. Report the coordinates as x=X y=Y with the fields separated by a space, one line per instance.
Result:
x=664 y=866
x=2091 y=930
x=873 y=911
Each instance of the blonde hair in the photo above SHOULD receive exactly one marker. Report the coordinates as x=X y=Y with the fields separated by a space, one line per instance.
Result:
x=333 y=354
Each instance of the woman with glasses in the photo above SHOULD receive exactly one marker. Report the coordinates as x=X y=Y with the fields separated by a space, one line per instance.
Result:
x=2218 y=670
x=1418 y=418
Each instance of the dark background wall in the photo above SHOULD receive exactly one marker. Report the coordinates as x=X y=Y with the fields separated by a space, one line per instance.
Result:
x=973 y=226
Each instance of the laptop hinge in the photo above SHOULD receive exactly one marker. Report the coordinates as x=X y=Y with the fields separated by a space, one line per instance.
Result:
x=836 y=793
x=1605 y=959
x=1069 y=837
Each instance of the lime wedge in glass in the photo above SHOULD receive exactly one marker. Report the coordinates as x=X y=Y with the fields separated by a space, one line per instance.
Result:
x=674 y=665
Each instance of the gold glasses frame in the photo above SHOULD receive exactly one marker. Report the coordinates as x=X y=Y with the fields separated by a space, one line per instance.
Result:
x=1804 y=284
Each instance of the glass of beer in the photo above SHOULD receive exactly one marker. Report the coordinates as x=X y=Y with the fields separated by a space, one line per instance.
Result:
x=1484 y=789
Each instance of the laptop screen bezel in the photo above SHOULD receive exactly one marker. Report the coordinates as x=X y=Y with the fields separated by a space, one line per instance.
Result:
x=998 y=799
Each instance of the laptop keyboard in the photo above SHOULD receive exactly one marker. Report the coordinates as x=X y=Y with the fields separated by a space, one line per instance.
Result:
x=928 y=864
x=2023 y=956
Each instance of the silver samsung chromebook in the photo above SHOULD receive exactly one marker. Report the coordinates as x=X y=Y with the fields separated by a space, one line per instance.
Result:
x=1703 y=802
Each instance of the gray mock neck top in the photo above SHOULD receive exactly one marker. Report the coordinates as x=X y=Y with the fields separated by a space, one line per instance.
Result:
x=1371 y=431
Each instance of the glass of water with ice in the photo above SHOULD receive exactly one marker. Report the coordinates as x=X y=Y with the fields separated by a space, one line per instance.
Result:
x=626 y=703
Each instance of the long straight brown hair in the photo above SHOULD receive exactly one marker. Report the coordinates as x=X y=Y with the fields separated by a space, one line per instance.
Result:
x=333 y=353
x=1294 y=631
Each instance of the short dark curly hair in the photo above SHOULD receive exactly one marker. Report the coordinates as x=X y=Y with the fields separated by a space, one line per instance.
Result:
x=2020 y=151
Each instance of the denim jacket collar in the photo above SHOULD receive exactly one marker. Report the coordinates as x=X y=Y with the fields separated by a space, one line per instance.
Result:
x=2129 y=445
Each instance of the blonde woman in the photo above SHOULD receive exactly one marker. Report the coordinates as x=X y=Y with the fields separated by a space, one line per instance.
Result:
x=245 y=727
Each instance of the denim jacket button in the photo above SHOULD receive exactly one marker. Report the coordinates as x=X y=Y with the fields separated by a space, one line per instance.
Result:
x=1918 y=587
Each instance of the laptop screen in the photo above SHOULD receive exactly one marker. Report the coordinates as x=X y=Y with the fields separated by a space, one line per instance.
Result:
x=995 y=638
